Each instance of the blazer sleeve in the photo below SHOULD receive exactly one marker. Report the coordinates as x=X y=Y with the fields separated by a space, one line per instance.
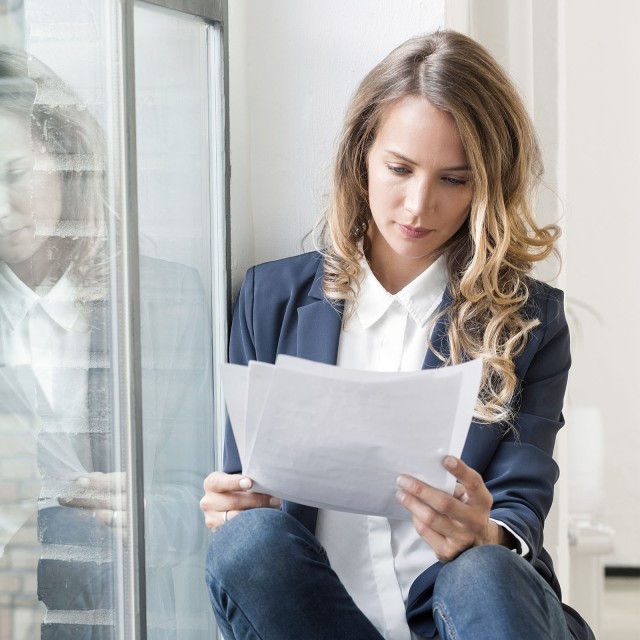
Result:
x=241 y=350
x=517 y=463
x=266 y=317
x=522 y=472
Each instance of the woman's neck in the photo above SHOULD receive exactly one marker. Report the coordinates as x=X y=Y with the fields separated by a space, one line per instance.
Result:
x=393 y=272
x=48 y=263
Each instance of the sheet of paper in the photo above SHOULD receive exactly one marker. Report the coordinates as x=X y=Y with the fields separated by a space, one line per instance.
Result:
x=337 y=438
x=19 y=425
x=20 y=394
x=235 y=379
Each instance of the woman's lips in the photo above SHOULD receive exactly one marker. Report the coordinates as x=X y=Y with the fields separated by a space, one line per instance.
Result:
x=413 y=232
x=14 y=235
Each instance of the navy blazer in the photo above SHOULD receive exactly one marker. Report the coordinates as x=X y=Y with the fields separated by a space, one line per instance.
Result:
x=281 y=309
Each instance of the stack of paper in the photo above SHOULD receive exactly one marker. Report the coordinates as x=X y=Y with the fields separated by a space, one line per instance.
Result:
x=336 y=438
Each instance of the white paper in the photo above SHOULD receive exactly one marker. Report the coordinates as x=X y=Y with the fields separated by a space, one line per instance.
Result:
x=336 y=438
x=20 y=394
x=235 y=379
x=21 y=426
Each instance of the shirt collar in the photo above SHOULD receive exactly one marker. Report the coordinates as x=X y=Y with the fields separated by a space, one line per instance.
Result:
x=59 y=302
x=420 y=297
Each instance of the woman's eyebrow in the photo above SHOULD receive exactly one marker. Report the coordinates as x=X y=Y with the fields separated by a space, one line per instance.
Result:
x=400 y=156
x=461 y=167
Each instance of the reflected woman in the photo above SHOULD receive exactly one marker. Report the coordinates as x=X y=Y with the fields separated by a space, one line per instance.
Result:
x=427 y=249
x=56 y=339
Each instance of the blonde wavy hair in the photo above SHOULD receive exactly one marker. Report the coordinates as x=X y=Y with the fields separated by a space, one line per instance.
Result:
x=490 y=257
x=63 y=127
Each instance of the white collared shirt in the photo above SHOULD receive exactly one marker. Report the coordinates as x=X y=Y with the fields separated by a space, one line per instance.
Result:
x=45 y=340
x=378 y=559
x=46 y=330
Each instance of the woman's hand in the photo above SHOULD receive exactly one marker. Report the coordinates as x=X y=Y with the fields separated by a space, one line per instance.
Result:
x=452 y=524
x=105 y=495
x=226 y=495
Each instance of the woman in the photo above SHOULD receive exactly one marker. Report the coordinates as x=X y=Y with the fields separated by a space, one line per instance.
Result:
x=428 y=244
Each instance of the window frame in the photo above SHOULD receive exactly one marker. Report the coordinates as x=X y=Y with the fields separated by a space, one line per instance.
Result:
x=126 y=313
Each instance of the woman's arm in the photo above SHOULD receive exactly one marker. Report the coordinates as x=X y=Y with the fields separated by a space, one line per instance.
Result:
x=515 y=484
x=228 y=493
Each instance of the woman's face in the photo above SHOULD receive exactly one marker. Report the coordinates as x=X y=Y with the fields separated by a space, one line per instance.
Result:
x=30 y=200
x=420 y=189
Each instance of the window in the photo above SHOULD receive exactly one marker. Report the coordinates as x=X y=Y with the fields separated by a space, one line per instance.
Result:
x=113 y=308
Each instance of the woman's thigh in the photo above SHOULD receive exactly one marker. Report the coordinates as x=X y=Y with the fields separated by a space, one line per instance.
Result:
x=270 y=578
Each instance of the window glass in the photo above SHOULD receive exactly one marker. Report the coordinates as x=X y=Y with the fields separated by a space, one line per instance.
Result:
x=63 y=543
x=68 y=355
x=176 y=185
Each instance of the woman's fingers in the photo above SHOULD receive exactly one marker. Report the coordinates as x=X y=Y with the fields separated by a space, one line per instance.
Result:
x=96 y=491
x=219 y=482
x=115 y=518
x=423 y=500
x=449 y=523
x=470 y=479
x=447 y=536
x=243 y=500
x=427 y=518
x=226 y=495
x=460 y=493
x=230 y=492
x=114 y=482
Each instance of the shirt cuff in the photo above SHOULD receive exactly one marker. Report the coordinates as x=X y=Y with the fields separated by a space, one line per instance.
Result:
x=523 y=547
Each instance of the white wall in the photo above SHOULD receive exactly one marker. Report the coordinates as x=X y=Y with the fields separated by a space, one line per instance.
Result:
x=293 y=66
x=603 y=220
x=524 y=38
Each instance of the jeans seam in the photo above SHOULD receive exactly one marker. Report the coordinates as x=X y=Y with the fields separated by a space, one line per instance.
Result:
x=547 y=593
x=239 y=608
x=446 y=618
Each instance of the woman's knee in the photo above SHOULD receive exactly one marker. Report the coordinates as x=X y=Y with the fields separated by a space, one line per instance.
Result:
x=242 y=539
x=500 y=591
x=479 y=568
x=257 y=542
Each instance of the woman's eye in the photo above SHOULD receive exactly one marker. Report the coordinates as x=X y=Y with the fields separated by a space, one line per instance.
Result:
x=17 y=174
x=455 y=181
x=398 y=170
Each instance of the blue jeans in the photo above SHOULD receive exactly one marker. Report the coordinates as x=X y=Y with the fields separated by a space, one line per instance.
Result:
x=270 y=579
x=494 y=594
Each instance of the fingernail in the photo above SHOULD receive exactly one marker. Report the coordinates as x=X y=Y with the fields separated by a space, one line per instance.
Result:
x=450 y=462
x=274 y=502
x=400 y=495
x=245 y=483
x=83 y=481
x=403 y=481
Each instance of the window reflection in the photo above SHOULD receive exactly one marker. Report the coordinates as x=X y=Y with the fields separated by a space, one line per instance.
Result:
x=55 y=374
x=56 y=383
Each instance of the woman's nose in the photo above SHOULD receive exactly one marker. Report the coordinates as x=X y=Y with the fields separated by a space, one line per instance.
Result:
x=420 y=198
x=5 y=200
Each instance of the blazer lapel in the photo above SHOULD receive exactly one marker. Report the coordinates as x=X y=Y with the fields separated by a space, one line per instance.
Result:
x=439 y=338
x=319 y=325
